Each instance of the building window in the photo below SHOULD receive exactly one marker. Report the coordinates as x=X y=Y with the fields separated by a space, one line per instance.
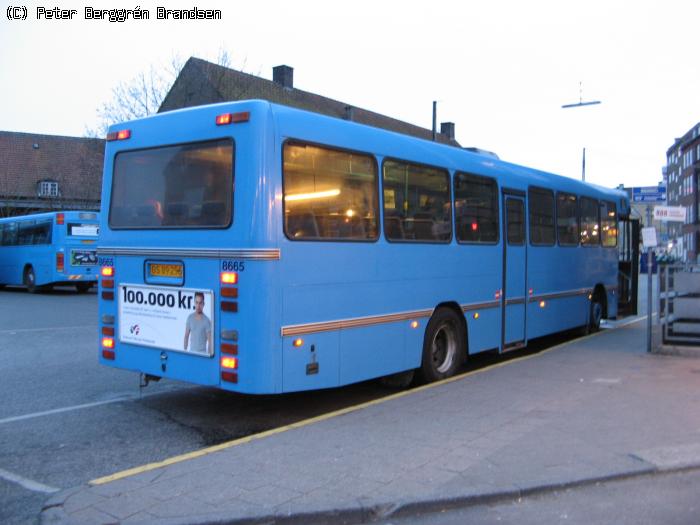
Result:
x=48 y=188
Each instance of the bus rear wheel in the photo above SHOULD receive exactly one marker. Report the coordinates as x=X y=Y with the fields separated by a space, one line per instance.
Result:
x=83 y=287
x=443 y=346
x=30 y=279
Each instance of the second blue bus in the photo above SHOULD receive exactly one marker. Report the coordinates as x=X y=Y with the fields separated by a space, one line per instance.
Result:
x=43 y=250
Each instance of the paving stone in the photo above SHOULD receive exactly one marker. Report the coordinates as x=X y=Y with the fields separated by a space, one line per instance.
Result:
x=82 y=500
x=126 y=504
x=115 y=488
x=182 y=507
x=91 y=516
x=269 y=496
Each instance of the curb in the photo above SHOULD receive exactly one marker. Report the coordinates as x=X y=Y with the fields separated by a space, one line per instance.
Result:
x=53 y=513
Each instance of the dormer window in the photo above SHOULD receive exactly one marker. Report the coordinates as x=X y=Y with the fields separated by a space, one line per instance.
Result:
x=48 y=188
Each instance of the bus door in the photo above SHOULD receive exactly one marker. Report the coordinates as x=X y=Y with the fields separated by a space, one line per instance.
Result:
x=628 y=266
x=513 y=296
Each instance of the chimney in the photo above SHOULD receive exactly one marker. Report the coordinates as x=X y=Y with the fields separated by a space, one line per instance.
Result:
x=284 y=76
x=349 y=113
x=448 y=129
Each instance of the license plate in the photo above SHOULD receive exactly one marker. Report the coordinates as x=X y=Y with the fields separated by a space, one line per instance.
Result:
x=165 y=270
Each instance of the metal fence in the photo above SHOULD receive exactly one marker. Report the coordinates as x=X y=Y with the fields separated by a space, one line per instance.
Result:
x=679 y=303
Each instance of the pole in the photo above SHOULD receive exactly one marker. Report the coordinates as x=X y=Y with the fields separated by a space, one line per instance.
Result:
x=583 y=166
x=434 y=119
x=650 y=251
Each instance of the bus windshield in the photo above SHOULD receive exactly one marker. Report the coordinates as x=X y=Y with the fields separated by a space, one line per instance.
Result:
x=183 y=186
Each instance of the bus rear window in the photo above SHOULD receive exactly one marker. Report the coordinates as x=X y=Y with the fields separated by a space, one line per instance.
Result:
x=184 y=186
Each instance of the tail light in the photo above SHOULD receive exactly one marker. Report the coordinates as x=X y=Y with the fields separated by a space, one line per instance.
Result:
x=229 y=362
x=232 y=118
x=60 y=266
x=229 y=277
x=123 y=134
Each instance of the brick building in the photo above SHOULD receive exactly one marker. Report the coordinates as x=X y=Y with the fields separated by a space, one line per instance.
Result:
x=48 y=172
x=682 y=172
x=201 y=82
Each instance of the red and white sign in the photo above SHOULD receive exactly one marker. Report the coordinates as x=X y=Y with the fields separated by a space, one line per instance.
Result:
x=669 y=213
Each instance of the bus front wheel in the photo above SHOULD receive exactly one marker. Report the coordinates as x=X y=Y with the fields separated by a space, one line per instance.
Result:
x=30 y=279
x=443 y=346
x=596 y=314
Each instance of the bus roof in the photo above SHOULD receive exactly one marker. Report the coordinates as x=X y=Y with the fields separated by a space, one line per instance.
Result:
x=323 y=129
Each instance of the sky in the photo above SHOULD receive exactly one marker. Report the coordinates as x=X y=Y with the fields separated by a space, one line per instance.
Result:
x=499 y=69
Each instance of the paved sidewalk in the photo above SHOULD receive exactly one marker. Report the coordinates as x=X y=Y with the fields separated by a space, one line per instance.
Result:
x=596 y=408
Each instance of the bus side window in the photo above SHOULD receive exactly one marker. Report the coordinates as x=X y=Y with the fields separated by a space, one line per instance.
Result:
x=9 y=234
x=424 y=207
x=590 y=221
x=608 y=224
x=541 y=215
x=329 y=193
x=476 y=208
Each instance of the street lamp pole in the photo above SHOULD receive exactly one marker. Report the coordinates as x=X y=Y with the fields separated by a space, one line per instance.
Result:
x=579 y=104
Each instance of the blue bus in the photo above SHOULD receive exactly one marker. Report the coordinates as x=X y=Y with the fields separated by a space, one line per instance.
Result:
x=47 y=249
x=263 y=249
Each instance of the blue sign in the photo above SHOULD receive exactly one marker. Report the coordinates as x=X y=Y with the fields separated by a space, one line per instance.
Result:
x=649 y=194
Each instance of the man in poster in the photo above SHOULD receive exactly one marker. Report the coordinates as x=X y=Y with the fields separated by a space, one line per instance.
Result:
x=198 y=326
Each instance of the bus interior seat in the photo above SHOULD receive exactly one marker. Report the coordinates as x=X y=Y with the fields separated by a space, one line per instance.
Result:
x=353 y=227
x=393 y=227
x=302 y=225
x=146 y=215
x=176 y=212
x=487 y=229
x=423 y=225
x=213 y=212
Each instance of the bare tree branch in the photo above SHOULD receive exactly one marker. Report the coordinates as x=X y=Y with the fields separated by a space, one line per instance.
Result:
x=142 y=95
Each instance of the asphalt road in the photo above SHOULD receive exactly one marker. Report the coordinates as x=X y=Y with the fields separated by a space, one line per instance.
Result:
x=65 y=419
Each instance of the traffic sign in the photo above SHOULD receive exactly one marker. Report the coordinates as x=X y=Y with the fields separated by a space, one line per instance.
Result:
x=669 y=213
x=649 y=194
x=649 y=237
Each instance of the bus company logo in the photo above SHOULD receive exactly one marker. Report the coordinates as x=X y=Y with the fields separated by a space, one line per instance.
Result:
x=134 y=329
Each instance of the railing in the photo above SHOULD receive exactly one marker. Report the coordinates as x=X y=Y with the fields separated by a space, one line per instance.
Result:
x=679 y=303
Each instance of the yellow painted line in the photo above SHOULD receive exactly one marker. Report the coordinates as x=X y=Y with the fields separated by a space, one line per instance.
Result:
x=306 y=422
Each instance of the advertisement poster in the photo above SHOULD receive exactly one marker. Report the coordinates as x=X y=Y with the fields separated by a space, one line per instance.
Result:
x=169 y=318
